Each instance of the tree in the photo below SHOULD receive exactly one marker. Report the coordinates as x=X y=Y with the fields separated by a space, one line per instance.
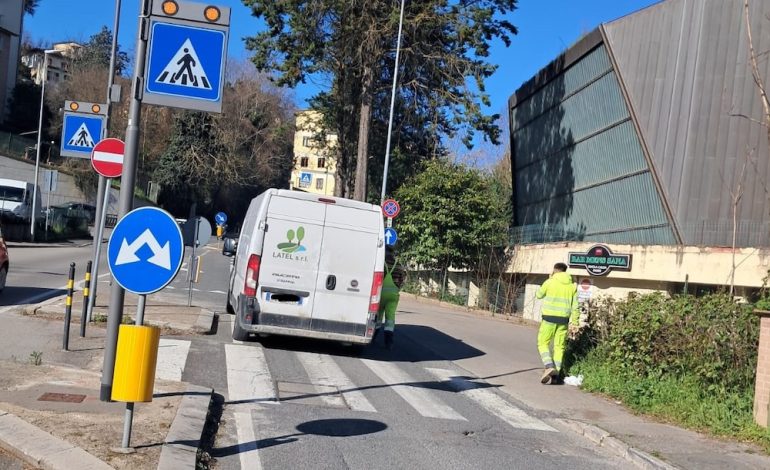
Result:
x=30 y=6
x=450 y=215
x=96 y=53
x=351 y=42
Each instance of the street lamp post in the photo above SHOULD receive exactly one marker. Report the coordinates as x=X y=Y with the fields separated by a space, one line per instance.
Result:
x=392 y=103
x=33 y=215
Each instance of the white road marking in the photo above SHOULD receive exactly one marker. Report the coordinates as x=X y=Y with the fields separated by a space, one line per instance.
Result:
x=322 y=370
x=490 y=401
x=172 y=356
x=247 y=450
x=422 y=400
x=248 y=377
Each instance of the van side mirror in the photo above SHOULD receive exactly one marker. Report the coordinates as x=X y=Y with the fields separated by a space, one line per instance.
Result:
x=230 y=246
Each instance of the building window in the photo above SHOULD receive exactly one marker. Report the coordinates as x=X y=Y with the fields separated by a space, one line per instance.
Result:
x=306 y=142
x=303 y=162
x=321 y=163
x=319 y=183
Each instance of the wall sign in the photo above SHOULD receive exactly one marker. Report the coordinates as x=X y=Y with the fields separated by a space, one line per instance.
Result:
x=599 y=261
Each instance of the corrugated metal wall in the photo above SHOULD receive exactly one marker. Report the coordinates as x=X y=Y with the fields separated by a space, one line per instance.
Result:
x=579 y=168
x=685 y=66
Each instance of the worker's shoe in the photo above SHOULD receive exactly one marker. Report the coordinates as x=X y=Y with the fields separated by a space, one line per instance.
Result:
x=389 y=339
x=548 y=375
x=557 y=379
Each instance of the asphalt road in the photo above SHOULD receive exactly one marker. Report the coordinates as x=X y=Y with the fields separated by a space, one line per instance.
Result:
x=291 y=403
x=296 y=403
x=38 y=272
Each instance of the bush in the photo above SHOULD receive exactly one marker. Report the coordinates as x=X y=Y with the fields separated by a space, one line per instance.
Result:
x=711 y=338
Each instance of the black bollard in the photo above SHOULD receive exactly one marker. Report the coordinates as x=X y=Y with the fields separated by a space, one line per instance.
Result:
x=83 y=319
x=68 y=307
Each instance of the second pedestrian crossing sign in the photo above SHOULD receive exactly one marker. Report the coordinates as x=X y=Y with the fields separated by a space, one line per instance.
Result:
x=81 y=129
x=186 y=56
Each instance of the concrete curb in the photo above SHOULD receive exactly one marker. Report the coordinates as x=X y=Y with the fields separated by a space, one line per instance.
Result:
x=41 y=449
x=604 y=439
x=180 y=448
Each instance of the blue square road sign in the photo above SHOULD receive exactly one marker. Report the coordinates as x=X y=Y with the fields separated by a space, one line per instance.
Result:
x=80 y=132
x=185 y=65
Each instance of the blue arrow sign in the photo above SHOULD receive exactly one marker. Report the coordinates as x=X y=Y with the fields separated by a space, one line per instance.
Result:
x=391 y=237
x=80 y=132
x=220 y=218
x=185 y=65
x=145 y=250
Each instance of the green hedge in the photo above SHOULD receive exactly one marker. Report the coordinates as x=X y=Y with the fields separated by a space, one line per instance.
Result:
x=687 y=359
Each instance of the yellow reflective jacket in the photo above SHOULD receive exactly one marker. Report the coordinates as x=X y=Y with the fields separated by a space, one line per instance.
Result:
x=560 y=304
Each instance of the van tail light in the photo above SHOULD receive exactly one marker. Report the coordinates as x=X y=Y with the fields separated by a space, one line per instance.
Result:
x=252 y=276
x=374 y=301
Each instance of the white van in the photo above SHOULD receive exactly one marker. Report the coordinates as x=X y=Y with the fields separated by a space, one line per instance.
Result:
x=308 y=265
x=16 y=198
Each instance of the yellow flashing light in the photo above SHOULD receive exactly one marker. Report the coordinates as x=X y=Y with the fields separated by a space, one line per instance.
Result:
x=74 y=106
x=96 y=108
x=170 y=7
x=212 y=13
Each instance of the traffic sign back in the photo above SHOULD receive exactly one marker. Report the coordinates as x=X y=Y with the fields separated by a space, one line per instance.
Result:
x=145 y=250
x=107 y=157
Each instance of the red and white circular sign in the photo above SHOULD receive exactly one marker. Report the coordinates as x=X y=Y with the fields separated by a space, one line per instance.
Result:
x=107 y=157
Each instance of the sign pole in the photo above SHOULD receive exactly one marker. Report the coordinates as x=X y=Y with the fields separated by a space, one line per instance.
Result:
x=99 y=235
x=129 y=416
x=192 y=261
x=104 y=183
x=128 y=180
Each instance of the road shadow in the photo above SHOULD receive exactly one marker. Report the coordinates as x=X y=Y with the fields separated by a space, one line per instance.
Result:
x=413 y=343
x=14 y=295
x=320 y=427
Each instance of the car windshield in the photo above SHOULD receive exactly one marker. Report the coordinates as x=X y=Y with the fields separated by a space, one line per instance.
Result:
x=8 y=193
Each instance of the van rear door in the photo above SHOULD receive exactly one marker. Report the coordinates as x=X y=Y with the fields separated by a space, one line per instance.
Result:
x=346 y=268
x=289 y=263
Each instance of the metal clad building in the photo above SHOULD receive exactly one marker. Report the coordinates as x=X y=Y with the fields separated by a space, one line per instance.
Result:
x=632 y=135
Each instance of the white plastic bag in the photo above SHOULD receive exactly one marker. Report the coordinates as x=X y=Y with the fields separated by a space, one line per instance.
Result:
x=574 y=381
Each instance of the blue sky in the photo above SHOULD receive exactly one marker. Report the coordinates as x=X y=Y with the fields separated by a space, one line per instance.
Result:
x=546 y=27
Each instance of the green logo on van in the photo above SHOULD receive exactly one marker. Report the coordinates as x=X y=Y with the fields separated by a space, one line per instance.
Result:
x=290 y=246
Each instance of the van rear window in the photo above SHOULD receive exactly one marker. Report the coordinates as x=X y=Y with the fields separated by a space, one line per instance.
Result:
x=8 y=193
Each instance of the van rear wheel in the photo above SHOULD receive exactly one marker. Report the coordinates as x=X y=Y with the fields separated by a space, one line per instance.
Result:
x=239 y=334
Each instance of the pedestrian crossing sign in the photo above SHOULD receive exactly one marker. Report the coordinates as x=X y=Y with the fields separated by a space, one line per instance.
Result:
x=185 y=65
x=305 y=179
x=80 y=132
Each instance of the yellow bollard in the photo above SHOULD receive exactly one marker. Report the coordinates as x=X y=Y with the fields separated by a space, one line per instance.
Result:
x=219 y=231
x=135 y=360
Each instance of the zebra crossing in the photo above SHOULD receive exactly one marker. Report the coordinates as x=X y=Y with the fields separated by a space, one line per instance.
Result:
x=250 y=382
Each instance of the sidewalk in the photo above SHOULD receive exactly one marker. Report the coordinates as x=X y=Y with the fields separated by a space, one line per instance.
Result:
x=50 y=412
x=512 y=362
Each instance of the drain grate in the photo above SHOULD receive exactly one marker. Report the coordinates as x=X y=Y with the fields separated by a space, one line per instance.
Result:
x=62 y=397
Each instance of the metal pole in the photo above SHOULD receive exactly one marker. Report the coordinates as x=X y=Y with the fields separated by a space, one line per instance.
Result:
x=192 y=261
x=68 y=307
x=104 y=187
x=128 y=181
x=129 y=418
x=33 y=217
x=99 y=235
x=127 y=424
x=392 y=104
x=83 y=315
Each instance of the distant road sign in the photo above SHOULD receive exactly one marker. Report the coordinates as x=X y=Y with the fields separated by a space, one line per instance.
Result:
x=107 y=157
x=305 y=179
x=80 y=132
x=390 y=208
x=145 y=250
x=391 y=237
x=186 y=58
x=220 y=218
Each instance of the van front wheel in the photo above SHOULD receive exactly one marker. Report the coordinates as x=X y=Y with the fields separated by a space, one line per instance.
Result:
x=239 y=334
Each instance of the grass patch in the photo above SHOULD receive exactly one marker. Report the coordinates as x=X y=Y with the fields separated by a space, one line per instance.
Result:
x=679 y=400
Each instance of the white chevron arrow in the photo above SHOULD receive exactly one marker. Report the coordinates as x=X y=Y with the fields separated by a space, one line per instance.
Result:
x=161 y=256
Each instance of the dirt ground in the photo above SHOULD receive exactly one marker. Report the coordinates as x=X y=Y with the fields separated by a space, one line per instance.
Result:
x=92 y=425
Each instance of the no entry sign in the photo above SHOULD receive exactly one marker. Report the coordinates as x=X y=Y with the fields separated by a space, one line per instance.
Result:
x=107 y=157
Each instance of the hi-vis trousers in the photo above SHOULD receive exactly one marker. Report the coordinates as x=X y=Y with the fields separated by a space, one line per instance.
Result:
x=558 y=333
